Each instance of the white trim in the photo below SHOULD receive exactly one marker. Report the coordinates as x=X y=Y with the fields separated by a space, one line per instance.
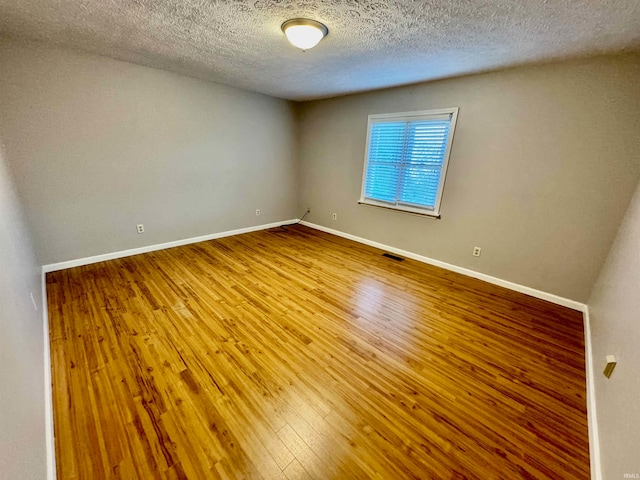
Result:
x=48 y=388
x=550 y=297
x=160 y=246
x=436 y=114
x=429 y=216
x=592 y=417
x=399 y=207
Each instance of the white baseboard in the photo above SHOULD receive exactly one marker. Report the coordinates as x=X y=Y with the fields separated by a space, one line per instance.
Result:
x=592 y=416
x=48 y=388
x=160 y=246
x=565 y=302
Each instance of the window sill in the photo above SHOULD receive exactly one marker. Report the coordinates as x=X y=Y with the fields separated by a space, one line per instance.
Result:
x=432 y=216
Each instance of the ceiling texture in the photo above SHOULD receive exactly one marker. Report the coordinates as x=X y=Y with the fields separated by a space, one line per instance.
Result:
x=371 y=44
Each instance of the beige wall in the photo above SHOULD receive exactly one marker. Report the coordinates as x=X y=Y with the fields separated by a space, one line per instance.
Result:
x=22 y=427
x=614 y=309
x=543 y=164
x=99 y=145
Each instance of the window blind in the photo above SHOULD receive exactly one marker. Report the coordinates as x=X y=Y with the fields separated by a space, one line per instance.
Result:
x=405 y=160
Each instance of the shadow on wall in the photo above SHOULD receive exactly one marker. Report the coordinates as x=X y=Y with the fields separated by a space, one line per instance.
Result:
x=615 y=330
x=22 y=399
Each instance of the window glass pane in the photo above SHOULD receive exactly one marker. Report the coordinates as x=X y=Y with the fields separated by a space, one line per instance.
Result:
x=382 y=182
x=387 y=141
x=386 y=149
x=420 y=185
x=428 y=142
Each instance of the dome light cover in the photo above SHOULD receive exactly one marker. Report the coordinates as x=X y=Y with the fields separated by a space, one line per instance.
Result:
x=304 y=33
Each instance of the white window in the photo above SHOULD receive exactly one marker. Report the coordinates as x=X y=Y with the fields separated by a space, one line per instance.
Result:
x=406 y=160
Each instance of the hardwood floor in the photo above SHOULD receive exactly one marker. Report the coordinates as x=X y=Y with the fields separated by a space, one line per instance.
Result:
x=297 y=354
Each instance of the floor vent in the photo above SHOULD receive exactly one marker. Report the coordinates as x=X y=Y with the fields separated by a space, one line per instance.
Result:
x=393 y=257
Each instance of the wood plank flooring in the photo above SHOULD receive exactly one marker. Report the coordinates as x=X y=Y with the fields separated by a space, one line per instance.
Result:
x=294 y=354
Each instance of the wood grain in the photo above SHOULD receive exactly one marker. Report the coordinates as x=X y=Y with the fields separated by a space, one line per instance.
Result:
x=295 y=354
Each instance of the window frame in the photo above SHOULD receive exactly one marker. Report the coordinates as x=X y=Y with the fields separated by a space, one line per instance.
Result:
x=407 y=117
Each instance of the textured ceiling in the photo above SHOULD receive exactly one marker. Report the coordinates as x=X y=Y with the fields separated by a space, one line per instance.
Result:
x=371 y=44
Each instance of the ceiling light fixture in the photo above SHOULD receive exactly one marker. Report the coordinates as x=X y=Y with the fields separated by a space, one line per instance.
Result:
x=304 y=33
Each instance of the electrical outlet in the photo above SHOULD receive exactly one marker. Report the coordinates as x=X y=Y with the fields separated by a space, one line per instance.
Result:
x=140 y=228
x=308 y=209
x=257 y=212
x=335 y=216
x=476 y=251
